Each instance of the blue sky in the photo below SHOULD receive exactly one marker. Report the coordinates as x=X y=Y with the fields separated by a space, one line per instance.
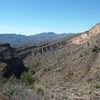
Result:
x=36 y=16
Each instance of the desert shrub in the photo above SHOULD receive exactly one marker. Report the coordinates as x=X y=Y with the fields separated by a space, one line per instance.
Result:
x=96 y=49
x=27 y=78
x=89 y=80
x=2 y=80
x=39 y=90
x=8 y=92
x=96 y=85
x=61 y=84
x=2 y=65
x=69 y=73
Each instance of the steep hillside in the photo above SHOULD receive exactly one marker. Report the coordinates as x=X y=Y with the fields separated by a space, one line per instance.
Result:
x=67 y=64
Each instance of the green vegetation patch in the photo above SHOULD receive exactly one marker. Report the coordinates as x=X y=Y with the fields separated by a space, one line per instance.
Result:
x=96 y=85
x=2 y=66
x=8 y=92
x=2 y=80
x=96 y=49
x=27 y=78
x=39 y=89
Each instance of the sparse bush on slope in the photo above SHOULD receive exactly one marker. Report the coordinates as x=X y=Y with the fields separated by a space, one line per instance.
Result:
x=27 y=78
x=2 y=67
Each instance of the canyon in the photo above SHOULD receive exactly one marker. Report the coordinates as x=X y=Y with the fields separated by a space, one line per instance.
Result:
x=64 y=69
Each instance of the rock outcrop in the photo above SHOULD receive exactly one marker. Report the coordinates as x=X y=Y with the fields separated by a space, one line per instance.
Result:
x=49 y=47
x=9 y=64
x=6 y=52
x=82 y=38
x=23 y=52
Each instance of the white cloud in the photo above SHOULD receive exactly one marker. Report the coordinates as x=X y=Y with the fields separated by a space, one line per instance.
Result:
x=5 y=27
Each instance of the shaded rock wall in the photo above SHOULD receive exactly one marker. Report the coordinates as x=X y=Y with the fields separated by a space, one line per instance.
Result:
x=24 y=52
x=14 y=66
x=6 y=52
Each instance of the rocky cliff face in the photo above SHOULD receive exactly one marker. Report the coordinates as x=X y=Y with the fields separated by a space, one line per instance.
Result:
x=49 y=47
x=6 y=52
x=86 y=35
x=9 y=64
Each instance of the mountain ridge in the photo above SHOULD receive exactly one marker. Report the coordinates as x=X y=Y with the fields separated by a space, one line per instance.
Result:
x=18 y=39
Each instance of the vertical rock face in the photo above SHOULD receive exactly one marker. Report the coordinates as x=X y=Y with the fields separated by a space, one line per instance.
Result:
x=6 y=52
x=87 y=35
x=14 y=67
x=10 y=65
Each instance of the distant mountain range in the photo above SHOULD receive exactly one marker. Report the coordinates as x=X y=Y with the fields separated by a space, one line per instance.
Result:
x=20 y=40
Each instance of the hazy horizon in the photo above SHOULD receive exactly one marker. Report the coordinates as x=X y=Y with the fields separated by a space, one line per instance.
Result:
x=34 y=34
x=29 y=17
